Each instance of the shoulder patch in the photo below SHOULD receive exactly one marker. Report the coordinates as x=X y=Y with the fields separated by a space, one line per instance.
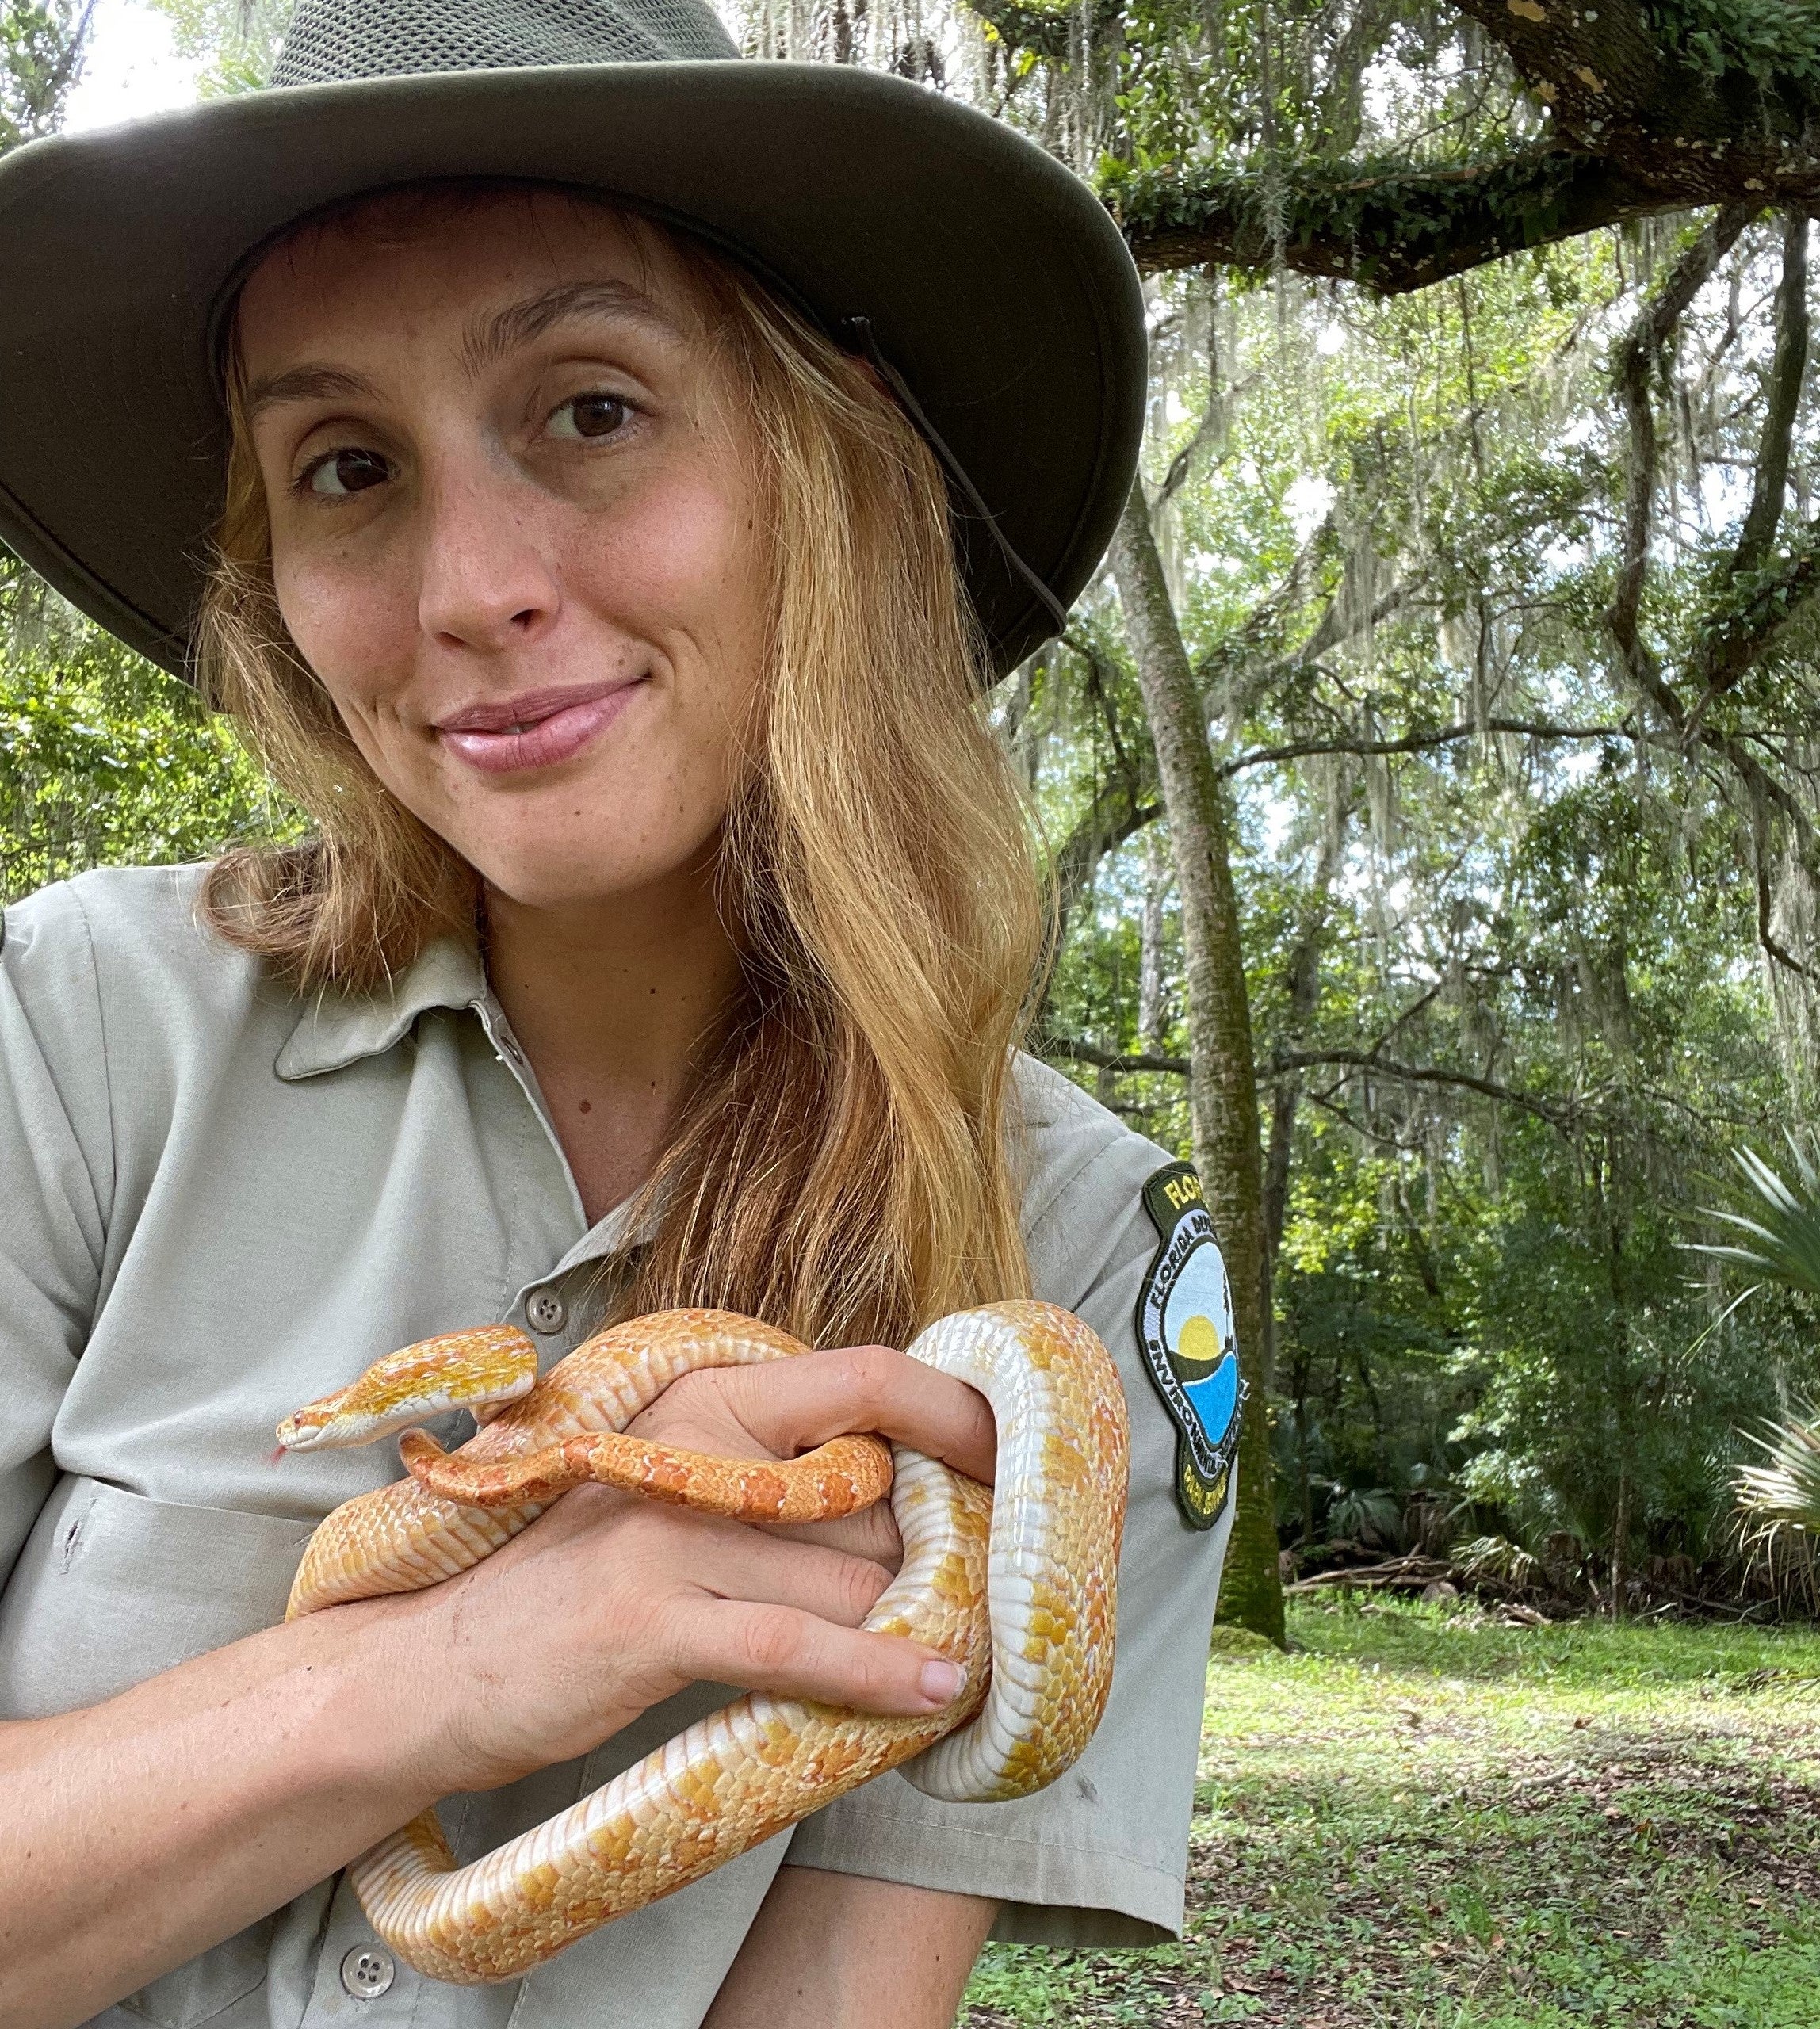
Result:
x=1185 y=1332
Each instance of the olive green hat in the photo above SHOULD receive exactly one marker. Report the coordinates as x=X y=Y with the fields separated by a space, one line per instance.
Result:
x=985 y=280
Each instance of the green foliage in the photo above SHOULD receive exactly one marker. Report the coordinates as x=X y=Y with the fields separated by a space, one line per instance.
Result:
x=1367 y=1515
x=105 y=760
x=236 y=41
x=1784 y=1236
x=1783 y=1244
x=1483 y=1301
x=1785 y=1493
x=41 y=50
x=1772 y=41
x=1497 y=1557
x=1392 y=204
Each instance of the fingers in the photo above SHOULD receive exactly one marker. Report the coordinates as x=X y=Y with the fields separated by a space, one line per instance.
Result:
x=798 y=1654
x=872 y=1533
x=791 y=1405
x=759 y=1569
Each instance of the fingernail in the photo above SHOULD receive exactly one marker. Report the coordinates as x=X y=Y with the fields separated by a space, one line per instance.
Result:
x=941 y=1683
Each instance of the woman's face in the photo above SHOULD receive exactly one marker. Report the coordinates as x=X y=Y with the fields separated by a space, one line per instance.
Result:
x=512 y=530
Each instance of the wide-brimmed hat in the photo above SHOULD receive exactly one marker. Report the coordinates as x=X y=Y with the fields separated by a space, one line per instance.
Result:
x=985 y=280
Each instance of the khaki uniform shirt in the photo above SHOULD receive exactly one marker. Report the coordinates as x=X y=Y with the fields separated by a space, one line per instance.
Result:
x=221 y=1200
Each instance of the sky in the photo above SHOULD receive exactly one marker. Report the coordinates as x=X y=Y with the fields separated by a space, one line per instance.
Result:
x=133 y=69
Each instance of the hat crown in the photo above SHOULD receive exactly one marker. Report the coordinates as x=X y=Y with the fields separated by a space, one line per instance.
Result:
x=334 y=41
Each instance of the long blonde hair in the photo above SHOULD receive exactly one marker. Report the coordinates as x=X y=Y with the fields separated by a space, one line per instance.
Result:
x=841 y=1166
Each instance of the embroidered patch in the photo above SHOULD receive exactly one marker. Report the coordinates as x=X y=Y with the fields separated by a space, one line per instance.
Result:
x=1185 y=1328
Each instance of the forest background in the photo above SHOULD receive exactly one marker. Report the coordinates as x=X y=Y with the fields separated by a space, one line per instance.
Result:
x=1431 y=776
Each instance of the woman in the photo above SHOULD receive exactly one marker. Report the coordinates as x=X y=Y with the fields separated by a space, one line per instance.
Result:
x=661 y=937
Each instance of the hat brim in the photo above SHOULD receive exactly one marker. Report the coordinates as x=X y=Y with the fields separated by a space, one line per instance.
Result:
x=996 y=284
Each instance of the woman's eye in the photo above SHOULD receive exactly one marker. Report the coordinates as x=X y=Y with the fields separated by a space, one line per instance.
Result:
x=590 y=415
x=343 y=472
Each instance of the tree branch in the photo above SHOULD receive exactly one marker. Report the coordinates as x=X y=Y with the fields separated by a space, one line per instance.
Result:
x=1759 y=609
x=1120 y=809
x=1116 y=814
x=1760 y=599
x=1391 y=227
x=1709 y=114
x=1786 y=373
x=1072 y=1051
x=1416 y=743
x=1262 y=626
x=1555 y=1112
x=1638 y=358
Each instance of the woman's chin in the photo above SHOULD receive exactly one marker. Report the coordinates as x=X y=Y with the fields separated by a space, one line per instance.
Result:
x=564 y=879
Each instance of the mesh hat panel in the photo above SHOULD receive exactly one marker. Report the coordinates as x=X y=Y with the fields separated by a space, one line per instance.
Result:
x=331 y=41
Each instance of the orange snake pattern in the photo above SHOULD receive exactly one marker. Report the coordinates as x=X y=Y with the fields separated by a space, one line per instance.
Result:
x=1042 y=1549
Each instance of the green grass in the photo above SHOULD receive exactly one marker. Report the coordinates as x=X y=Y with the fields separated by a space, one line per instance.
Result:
x=1415 y=1822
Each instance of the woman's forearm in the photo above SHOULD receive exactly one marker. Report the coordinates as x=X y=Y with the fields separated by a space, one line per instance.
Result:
x=831 y=1949
x=138 y=1833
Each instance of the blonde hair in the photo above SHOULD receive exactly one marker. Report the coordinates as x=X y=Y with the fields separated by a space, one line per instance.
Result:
x=840 y=1167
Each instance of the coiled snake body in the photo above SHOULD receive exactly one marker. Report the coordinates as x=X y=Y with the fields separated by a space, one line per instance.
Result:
x=1043 y=1548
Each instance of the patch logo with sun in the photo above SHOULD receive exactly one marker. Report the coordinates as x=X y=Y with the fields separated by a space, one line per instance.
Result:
x=1185 y=1329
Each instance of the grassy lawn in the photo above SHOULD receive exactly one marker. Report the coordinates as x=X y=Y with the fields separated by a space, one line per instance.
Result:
x=1415 y=1822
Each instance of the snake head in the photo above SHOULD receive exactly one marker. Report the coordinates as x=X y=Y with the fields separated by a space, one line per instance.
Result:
x=481 y=1371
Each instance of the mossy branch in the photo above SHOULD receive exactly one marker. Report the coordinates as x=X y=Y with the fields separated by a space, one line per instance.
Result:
x=1385 y=224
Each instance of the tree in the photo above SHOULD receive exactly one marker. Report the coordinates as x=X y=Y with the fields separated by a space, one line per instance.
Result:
x=1221 y=1075
x=103 y=758
x=42 y=46
x=1585 y=118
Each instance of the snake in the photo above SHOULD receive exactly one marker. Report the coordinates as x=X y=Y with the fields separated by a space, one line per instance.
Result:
x=1016 y=1585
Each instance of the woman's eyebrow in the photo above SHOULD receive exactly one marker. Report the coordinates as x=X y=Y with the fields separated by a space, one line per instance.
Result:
x=490 y=338
x=306 y=384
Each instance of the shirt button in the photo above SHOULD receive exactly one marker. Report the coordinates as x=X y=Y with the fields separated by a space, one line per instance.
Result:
x=368 y=1971
x=511 y=1050
x=546 y=1310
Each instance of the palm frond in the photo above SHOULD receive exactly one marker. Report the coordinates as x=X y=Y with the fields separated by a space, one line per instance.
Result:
x=1784 y=1236
x=1784 y=1492
x=1497 y=1557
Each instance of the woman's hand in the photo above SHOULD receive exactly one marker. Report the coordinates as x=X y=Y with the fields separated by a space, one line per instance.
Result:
x=781 y=1409
x=139 y=1833
x=611 y=1603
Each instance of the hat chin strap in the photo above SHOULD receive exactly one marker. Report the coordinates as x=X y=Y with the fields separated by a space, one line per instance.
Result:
x=864 y=339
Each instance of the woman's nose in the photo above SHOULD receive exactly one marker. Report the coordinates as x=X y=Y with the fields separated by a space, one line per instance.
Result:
x=485 y=582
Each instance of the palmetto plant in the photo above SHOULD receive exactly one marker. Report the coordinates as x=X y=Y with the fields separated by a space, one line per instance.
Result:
x=1784 y=1490
x=1782 y=1243
x=1367 y=1517
x=1497 y=1557
x=1783 y=1237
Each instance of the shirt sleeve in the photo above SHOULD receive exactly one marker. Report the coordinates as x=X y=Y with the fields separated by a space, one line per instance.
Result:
x=1100 y=1857
x=56 y=1159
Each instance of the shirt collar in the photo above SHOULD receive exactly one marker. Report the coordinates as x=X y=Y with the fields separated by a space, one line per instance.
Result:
x=337 y=1029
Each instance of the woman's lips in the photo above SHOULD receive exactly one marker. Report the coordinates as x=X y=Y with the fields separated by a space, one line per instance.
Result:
x=537 y=733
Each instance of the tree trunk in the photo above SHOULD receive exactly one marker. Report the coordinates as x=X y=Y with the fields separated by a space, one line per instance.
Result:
x=1222 y=1080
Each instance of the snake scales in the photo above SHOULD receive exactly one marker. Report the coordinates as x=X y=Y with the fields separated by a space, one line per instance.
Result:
x=1038 y=1662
